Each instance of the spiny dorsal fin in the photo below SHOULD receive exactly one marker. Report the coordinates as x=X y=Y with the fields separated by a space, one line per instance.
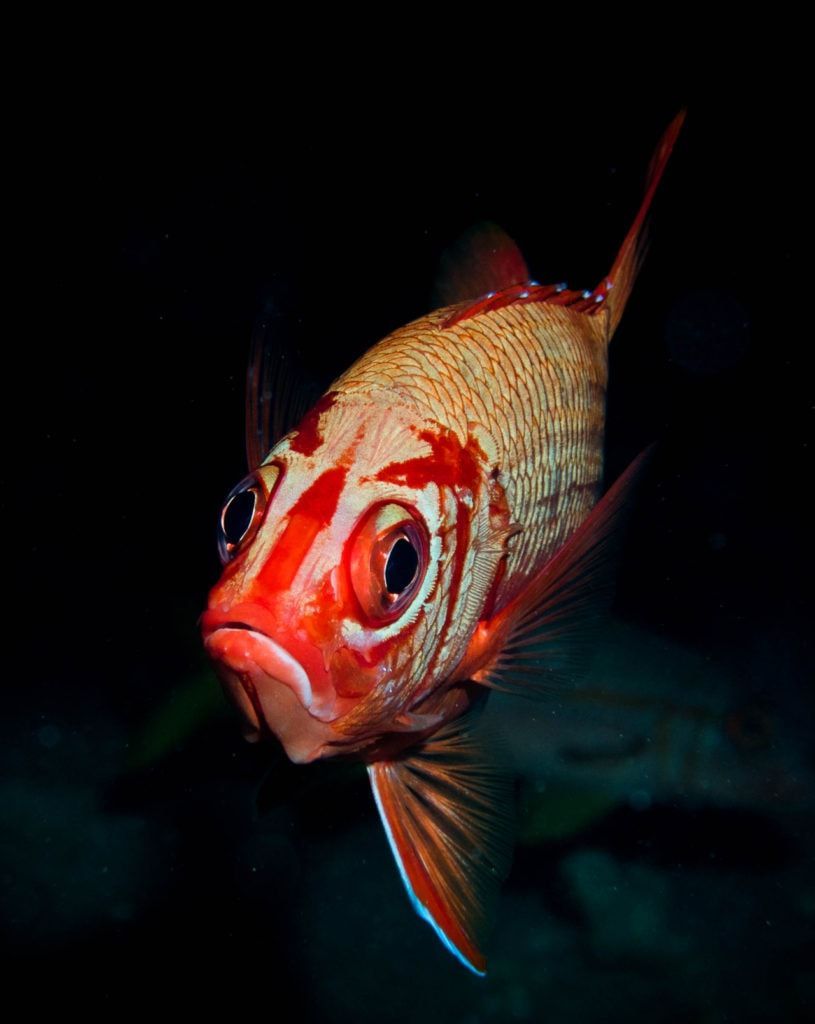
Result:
x=279 y=392
x=527 y=292
x=542 y=633
x=614 y=290
x=447 y=812
x=483 y=259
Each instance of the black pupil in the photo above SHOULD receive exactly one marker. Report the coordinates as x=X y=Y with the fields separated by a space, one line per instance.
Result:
x=402 y=565
x=238 y=514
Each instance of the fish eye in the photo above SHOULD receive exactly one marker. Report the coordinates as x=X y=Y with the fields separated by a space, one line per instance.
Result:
x=387 y=562
x=401 y=566
x=237 y=516
x=243 y=511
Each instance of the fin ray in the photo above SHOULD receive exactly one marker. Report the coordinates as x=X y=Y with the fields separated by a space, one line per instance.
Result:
x=614 y=290
x=278 y=391
x=446 y=812
x=547 y=625
x=617 y=285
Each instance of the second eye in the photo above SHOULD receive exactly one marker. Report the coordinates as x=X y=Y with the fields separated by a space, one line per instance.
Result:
x=388 y=559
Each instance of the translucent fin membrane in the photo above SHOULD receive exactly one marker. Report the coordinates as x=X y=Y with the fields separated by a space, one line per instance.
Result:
x=548 y=624
x=278 y=392
x=447 y=812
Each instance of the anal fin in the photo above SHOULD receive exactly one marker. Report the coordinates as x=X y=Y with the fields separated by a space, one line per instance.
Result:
x=447 y=812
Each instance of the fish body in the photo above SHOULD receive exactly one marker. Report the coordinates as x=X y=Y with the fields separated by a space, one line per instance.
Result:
x=426 y=532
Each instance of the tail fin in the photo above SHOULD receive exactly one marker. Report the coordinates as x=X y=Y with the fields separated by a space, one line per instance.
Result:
x=616 y=287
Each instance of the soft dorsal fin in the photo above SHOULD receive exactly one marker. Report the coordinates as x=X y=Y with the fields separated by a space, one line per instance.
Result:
x=483 y=259
x=614 y=290
x=616 y=287
x=540 y=637
x=447 y=812
x=278 y=390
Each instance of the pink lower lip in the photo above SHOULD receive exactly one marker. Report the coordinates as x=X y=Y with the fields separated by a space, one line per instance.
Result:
x=245 y=651
x=270 y=687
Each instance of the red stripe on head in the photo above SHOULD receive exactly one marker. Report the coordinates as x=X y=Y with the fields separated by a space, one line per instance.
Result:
x=308 y=437
x=312 y=512
x=458 y=467
x=450 y=463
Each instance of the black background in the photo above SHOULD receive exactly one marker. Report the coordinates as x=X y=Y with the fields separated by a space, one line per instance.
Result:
x=152 y=236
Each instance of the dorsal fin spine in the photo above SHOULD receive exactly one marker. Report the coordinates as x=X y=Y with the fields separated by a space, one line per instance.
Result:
x=614 y=290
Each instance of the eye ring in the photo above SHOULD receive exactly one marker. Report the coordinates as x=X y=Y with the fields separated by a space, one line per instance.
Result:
x=244 y=509
x=387 y=562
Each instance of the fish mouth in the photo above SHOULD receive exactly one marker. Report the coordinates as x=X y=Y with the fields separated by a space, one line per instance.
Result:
x=270 y=687
x=269 y=684
x=254 y=656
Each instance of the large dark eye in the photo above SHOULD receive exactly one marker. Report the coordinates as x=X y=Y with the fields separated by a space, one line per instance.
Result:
x=388 y=558
x=401 y=566
x=243 y=511
x=238 y=515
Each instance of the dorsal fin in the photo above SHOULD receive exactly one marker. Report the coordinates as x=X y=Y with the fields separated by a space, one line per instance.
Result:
x=522 y=294
x=613 y=291
x=279 y=392
x=616 y=286
x=483 y=259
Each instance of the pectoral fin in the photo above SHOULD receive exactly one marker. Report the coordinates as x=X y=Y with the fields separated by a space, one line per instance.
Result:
x=542 y=636
x=447 y=812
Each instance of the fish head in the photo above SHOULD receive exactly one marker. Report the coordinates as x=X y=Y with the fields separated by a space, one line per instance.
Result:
x=351 y=581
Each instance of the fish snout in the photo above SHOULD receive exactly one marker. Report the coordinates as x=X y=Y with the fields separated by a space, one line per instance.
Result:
x=253 y=654
x=270 y=686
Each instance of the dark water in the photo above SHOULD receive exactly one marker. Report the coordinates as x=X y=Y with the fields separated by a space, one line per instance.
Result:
x=671 y=885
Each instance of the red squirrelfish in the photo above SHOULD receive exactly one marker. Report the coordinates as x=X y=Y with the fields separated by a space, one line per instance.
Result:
x=429 y=530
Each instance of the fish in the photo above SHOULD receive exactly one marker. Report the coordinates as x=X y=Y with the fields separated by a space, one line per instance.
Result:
x=428 y=531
